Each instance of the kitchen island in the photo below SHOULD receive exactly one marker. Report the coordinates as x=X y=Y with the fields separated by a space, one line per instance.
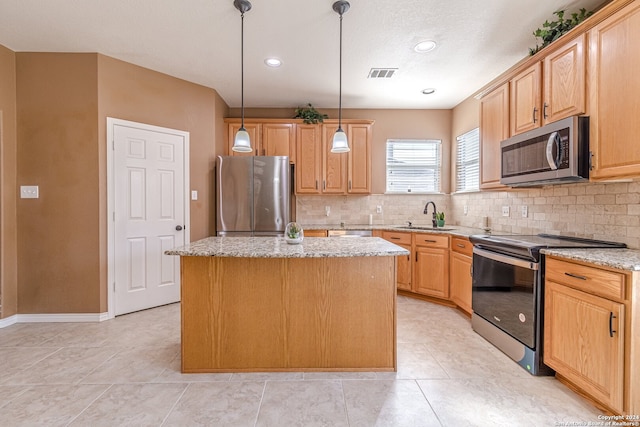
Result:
x=259 y=304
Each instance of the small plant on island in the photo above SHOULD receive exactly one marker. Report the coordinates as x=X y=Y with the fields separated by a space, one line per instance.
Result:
x=440 y=216
x=309 y=115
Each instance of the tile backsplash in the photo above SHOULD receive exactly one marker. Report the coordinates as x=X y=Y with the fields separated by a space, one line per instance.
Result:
x=607 y=211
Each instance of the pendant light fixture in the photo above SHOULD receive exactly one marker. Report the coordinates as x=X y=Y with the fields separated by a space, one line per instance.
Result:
x=242 y=142
x=340 y=143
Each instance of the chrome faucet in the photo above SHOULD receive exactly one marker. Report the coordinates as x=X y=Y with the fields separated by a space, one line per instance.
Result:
x=433 y=218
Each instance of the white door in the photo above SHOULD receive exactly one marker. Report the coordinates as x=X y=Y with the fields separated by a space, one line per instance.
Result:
x=149 y=215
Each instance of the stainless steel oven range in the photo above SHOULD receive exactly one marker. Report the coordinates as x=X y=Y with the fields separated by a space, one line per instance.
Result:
x=508 y=292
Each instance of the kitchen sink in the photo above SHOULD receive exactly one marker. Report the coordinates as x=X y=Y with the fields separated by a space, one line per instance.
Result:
x=413 y=227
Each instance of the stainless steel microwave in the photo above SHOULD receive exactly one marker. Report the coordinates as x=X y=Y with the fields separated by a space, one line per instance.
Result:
x=552 y=154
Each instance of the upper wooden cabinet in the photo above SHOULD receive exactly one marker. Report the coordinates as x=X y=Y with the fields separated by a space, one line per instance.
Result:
x=309 y=159
x=614 y=89
x=564 y=88
x=268 y=137
x=549 y=90
x=319 y=171
x=494 y=128
x=278 y=139
x=525 y=100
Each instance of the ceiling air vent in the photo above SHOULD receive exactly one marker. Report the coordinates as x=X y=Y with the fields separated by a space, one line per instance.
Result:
x=381 y=73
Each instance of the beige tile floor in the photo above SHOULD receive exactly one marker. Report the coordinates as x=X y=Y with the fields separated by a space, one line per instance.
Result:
x=126 y=372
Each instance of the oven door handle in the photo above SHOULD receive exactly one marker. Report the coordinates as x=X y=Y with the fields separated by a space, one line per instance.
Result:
x=506 y=259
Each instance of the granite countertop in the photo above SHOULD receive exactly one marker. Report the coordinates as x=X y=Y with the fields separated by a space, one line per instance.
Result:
x=447 y=229
x=622 y=259
x=277 y=247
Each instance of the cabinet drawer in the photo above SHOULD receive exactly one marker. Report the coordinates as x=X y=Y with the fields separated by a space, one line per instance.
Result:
x=315 y=233
x=431 y=240
x=461 y=245
x=395 y=237
x=593 y=280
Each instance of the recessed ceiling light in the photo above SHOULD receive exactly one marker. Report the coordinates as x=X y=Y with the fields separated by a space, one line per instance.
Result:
x=428 y=91
x=273 y=62
x=425 y=46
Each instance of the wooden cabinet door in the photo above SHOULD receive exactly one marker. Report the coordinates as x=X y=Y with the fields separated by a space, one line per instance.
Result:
x=584 y=341
x=494 y=128
x=315 y=233
x=308 y=159
x=525 y=100
x=431 y=271
x=564 y=82
x=334 y=165
x=359 y=159
x=278 y=139
x=254 y=130
x=404 y=269
x=460 y=280
x=614 y=61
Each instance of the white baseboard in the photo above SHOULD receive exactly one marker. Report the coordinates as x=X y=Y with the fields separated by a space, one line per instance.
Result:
x=8 y=321
x=60 y=318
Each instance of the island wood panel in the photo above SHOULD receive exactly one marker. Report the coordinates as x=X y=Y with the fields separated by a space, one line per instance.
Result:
x=288 y=314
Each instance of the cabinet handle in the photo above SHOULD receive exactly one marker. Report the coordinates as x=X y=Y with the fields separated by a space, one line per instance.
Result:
x=416 y=256
x=544 y=110
x=316 y=184
x=394 y=238
x=257 y=152
x=324 y=184
x=535 y=110
x=460 y=245
x=611 y=317
x=349 y=185
x=264 y=152
x=429 y=241
x=576 y=276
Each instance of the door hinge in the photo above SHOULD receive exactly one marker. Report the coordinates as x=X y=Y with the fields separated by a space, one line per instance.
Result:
x=590 y=160
x=113 y=144
x=113 y=216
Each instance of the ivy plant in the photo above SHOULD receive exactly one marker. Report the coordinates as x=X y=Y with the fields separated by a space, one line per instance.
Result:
x=551 y=31
x=309 y=115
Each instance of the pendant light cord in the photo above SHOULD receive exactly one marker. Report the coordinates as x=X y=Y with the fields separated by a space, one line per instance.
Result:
x=340 y=86
x=242 y=66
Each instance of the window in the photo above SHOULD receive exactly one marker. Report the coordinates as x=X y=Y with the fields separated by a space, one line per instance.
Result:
x=468 y=161
x=413 y=165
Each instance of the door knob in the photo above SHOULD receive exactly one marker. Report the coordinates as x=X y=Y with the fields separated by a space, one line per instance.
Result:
x=178 y=227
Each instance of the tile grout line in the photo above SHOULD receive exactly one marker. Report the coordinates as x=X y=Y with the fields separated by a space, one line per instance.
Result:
x=175 y=404
x=429 y=403
x=264 y=389
x=90 y=403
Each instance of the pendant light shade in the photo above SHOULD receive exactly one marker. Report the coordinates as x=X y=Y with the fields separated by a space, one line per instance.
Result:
x=340 y=143
x=242 y=142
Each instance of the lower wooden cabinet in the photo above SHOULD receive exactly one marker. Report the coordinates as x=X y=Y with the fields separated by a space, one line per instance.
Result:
x=431 y=265
x=315 y=233
x=403 y=240
x=589 y=336
x=460 y=280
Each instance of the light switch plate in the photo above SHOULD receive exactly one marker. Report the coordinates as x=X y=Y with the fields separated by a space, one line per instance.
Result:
x=194 y=194
x=29 y=192
x=379 y=209
x=466 y=209
x=505 y=211
x=525 y=211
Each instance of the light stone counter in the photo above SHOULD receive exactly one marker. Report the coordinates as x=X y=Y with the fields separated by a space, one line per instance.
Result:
x=454 y=230
x=622 y=259
x=277 y=247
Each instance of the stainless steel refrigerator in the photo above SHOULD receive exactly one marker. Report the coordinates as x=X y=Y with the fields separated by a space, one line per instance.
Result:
x=252 y=195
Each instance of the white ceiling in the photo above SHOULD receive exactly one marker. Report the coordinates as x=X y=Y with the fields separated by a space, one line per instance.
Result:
x=199 y=41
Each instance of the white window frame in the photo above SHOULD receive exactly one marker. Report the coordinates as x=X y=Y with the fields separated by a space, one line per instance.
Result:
x=431 y=164
x=468 y=160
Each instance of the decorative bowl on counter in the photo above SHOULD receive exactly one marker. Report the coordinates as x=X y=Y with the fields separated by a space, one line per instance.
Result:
x=293 y=233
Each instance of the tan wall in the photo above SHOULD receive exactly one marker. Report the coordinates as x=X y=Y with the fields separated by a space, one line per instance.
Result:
x=389 y=124
x=8 y=187
x=63 y=103
x=59 y=233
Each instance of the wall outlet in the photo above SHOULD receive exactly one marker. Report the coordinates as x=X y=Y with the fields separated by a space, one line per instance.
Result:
x=525 y=211
x=327 y=209
x=29 y=192
x=194 y=194
x=379 y=209
x=505 y=211
x=466 y=209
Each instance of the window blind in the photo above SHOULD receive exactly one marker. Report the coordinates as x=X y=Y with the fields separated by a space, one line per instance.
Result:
x=413 y=166
x=468 y=161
